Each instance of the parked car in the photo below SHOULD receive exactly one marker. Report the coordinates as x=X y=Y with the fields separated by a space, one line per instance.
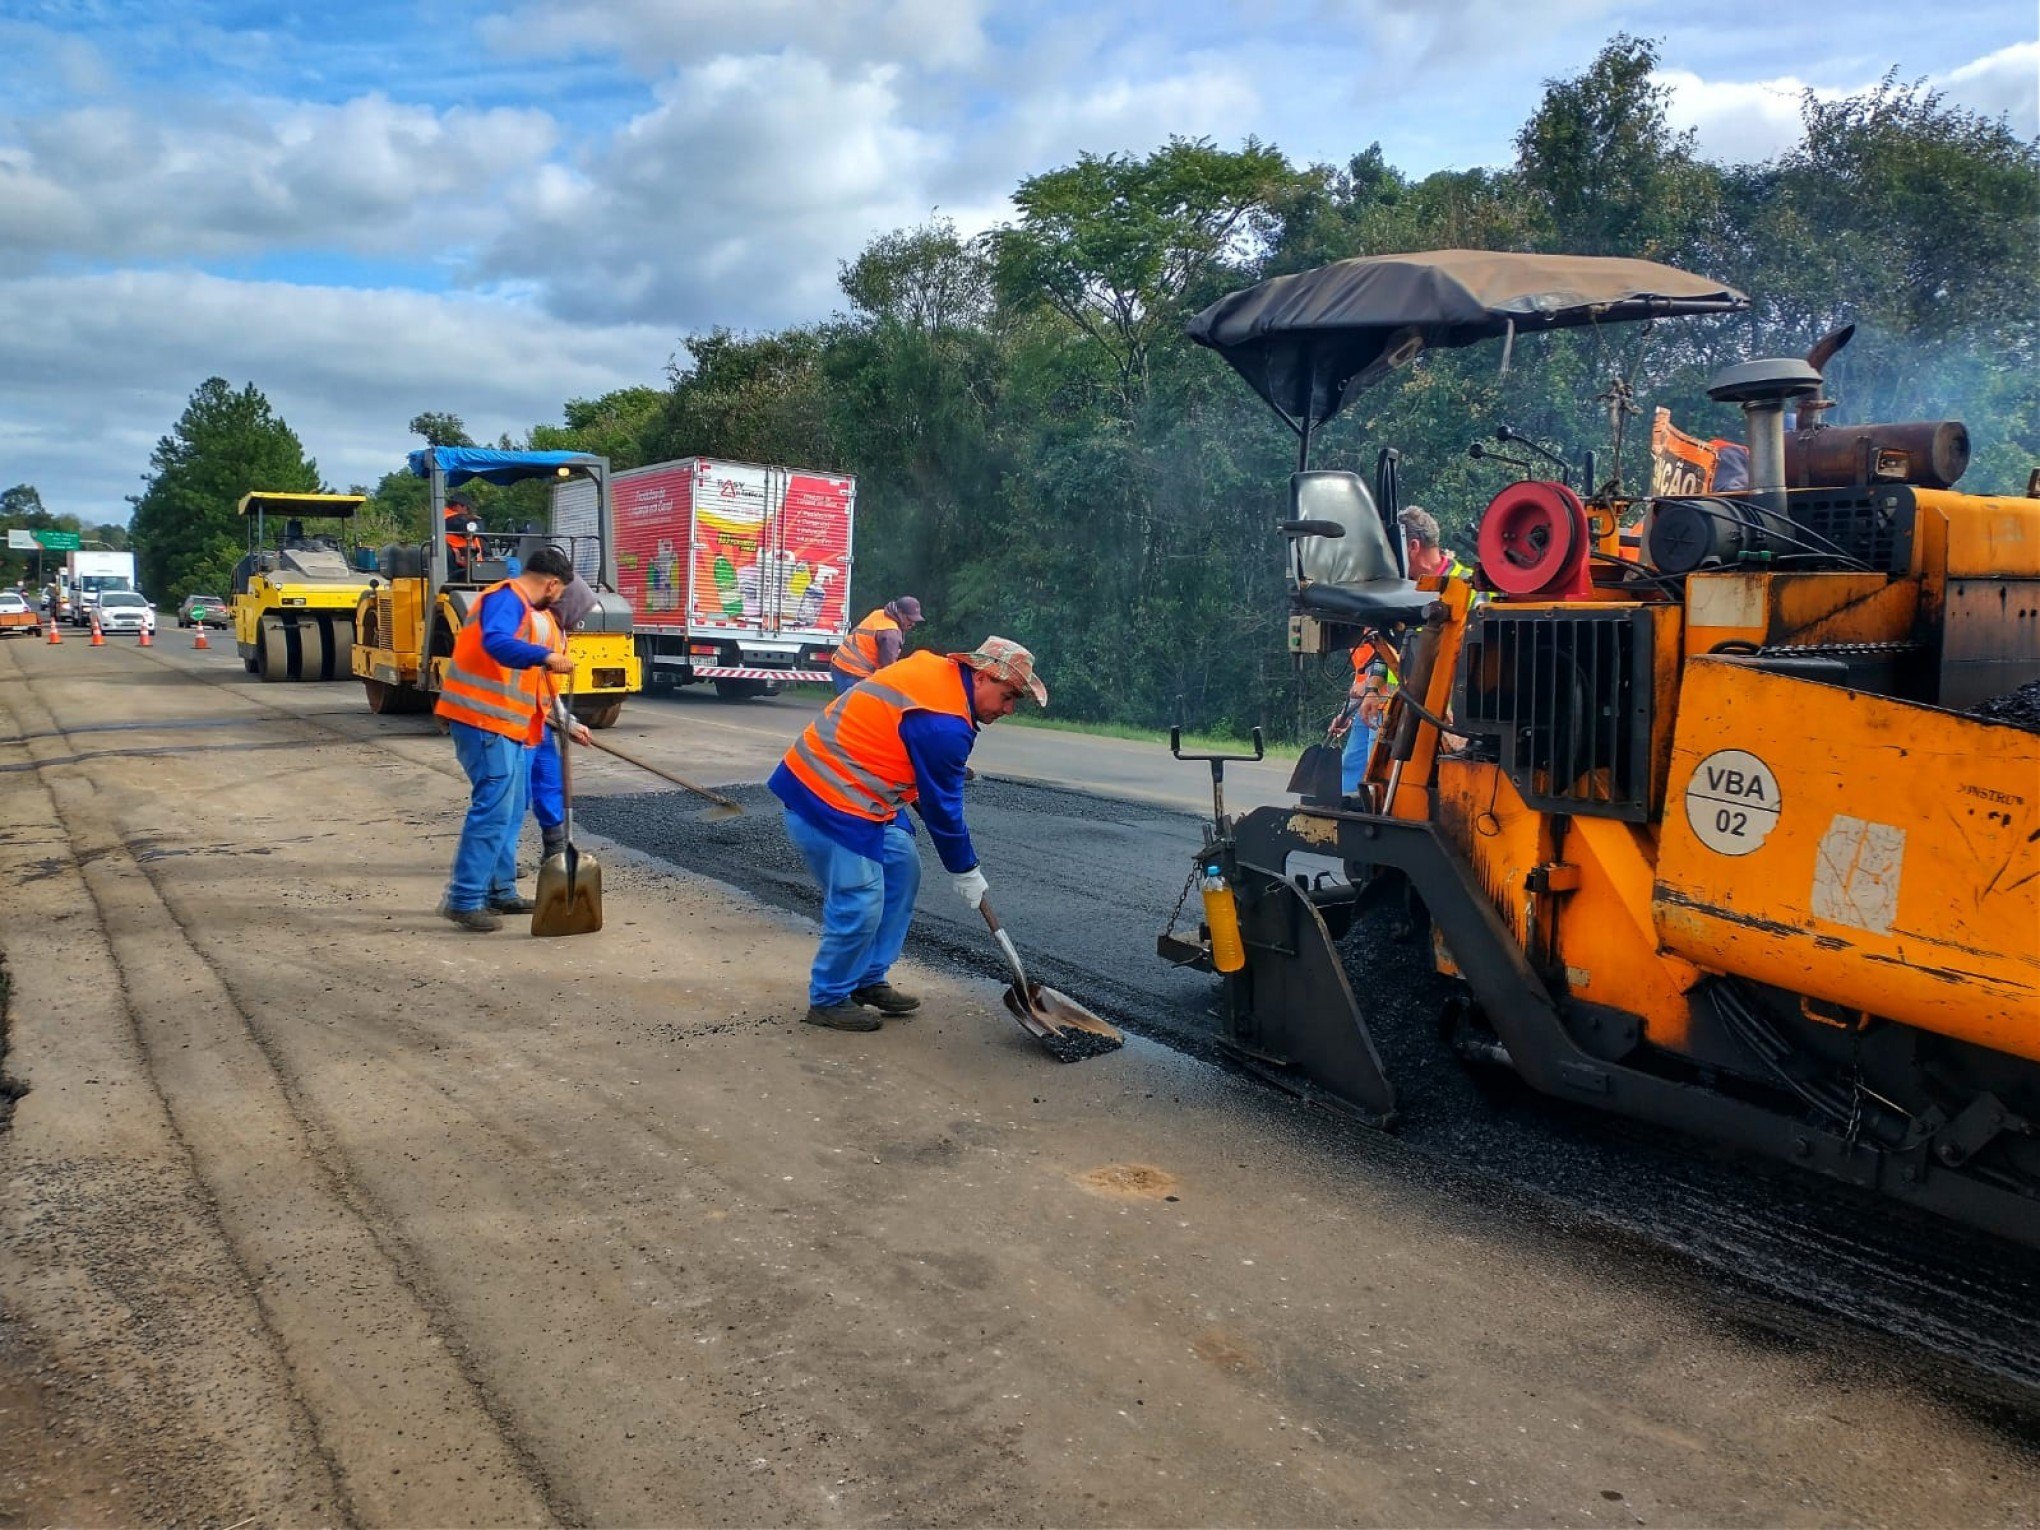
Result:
x=16 y=614
x=204 y=611
x=125 y=611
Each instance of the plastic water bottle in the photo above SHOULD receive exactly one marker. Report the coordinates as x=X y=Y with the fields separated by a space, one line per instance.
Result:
x=1222 y=918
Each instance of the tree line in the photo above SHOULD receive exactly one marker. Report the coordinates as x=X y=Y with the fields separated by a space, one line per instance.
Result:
x=1041 y=453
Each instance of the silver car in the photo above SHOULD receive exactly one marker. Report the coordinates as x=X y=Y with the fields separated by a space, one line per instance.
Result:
x=125 y=611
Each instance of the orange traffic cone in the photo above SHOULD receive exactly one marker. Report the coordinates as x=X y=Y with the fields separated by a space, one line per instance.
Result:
x=147 y=640
x=198 y=636
x=55 y=636
x=98 y=637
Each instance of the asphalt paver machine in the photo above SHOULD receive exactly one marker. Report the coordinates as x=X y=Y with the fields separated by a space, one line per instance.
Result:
x=422 y=593
x=1716 y=808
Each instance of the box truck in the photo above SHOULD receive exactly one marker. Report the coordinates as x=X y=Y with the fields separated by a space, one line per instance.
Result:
x=86 y=573
x=737 y=574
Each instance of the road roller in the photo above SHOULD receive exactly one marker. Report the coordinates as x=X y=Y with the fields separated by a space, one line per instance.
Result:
x=422 y=592
x=1714 y=805
x=294 y=593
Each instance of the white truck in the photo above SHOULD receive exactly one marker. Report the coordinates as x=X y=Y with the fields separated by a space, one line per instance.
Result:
x=737 y=574
x=87 y=573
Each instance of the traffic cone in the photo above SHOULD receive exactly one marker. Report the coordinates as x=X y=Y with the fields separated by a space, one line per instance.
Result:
x=55 y=636
x=98 y=637
x=198 y=636
x=147 y=640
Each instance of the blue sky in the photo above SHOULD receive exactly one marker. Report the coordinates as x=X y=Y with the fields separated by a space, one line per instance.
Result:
x=372 y=209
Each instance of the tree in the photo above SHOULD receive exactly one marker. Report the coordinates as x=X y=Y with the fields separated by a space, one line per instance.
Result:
x=612 y=426
x=1602 y=165
x=440 y=429
x=186 y=533
x=924 y=279
x=1113 y=243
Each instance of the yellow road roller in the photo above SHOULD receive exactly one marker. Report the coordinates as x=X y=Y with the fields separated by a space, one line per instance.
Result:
x=408 y=614
x=295 y=591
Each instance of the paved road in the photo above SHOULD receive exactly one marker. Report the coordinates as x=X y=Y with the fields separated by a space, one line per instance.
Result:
x=316 y=1209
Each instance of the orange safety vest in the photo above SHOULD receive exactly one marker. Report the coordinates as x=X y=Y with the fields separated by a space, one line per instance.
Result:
x=858 y=656
x=478 y=691
x=851 y=757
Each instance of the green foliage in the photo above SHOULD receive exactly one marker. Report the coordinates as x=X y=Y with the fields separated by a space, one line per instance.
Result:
x=440 y=429
x=1112 y=244
x=1042 y=453
x=612 y=426
x=186 y=533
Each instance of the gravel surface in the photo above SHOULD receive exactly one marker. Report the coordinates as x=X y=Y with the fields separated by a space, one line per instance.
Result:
x=1085 y=883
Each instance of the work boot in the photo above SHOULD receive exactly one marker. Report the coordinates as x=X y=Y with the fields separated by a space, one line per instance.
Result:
x=555 y=838
x=481 y=920
x=885 y=998
x=841 y=1016
x=511 y=903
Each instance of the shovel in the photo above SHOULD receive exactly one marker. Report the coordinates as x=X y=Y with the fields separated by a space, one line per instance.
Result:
x=1068 y=1031
x=569 y=899
x=721 y=810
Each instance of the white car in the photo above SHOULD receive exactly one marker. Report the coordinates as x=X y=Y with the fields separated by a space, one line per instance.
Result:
x=16 y=614
x=125 y=611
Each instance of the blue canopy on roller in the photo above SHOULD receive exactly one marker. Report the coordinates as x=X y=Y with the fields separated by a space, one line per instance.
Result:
x=461 y=463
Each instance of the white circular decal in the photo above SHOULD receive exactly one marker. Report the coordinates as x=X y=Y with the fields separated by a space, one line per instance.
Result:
x=1732 y=802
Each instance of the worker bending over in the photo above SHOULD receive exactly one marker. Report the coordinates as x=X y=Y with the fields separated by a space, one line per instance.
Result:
x=494 y=695
x=902 y=737
x=874 y=642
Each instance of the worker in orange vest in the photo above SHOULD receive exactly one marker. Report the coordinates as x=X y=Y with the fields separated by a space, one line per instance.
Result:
x=901 y=738
x=463 y=537
x=874 y=642
x=493 y=696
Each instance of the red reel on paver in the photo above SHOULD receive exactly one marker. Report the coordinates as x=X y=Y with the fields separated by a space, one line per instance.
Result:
x=1535 y=540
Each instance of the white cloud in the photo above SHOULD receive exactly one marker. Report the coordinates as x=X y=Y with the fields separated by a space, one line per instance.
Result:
x=100 y=367
x=1736 y=122
x=654 y=35
x=1747 y=121
x=2007 y=82
x=730 y=201
x=367 y=175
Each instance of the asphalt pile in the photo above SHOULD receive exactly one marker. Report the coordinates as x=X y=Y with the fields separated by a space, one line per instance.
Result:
x=1084 y=884
x=2020 y=708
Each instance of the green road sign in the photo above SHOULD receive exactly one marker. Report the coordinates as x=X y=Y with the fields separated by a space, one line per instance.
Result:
x=58 y=541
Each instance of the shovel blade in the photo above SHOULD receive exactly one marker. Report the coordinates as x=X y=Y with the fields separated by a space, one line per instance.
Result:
x=569 y=896
x=1067 y=1031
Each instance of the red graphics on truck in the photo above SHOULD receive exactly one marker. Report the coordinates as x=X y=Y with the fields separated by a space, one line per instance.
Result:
x=702 y=544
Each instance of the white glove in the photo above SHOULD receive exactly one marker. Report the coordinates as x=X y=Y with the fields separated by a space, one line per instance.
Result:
x=970 y=886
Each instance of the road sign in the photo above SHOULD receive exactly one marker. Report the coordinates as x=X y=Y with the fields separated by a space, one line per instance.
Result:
x=58 y=541
x=21 y=541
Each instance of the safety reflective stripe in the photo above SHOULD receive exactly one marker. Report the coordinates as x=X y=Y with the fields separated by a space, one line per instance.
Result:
x=858 y=653
x=852 y=777
x=846 y=771
x=852 y=757
x=495 y=699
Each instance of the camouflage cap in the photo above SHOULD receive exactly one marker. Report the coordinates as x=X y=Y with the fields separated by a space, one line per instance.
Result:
x=1004 y=659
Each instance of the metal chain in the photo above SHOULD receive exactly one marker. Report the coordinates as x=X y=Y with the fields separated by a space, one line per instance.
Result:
x=1181 y=899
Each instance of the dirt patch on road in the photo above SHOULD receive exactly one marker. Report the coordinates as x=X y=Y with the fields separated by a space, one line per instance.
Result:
x=1131 y=1181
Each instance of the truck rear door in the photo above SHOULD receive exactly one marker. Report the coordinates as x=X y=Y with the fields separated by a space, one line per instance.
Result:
x=808 y=588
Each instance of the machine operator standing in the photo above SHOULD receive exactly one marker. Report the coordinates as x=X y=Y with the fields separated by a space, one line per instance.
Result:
x=901 y=738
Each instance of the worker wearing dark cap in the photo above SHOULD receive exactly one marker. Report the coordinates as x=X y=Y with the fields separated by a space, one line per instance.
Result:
x=463 y=543
x=874 y=642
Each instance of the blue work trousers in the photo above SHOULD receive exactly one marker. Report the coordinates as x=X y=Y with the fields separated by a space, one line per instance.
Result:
x=866 y=908
x=485 y=865
x=842 y=681
x=1353 y=763
x=548 y=784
